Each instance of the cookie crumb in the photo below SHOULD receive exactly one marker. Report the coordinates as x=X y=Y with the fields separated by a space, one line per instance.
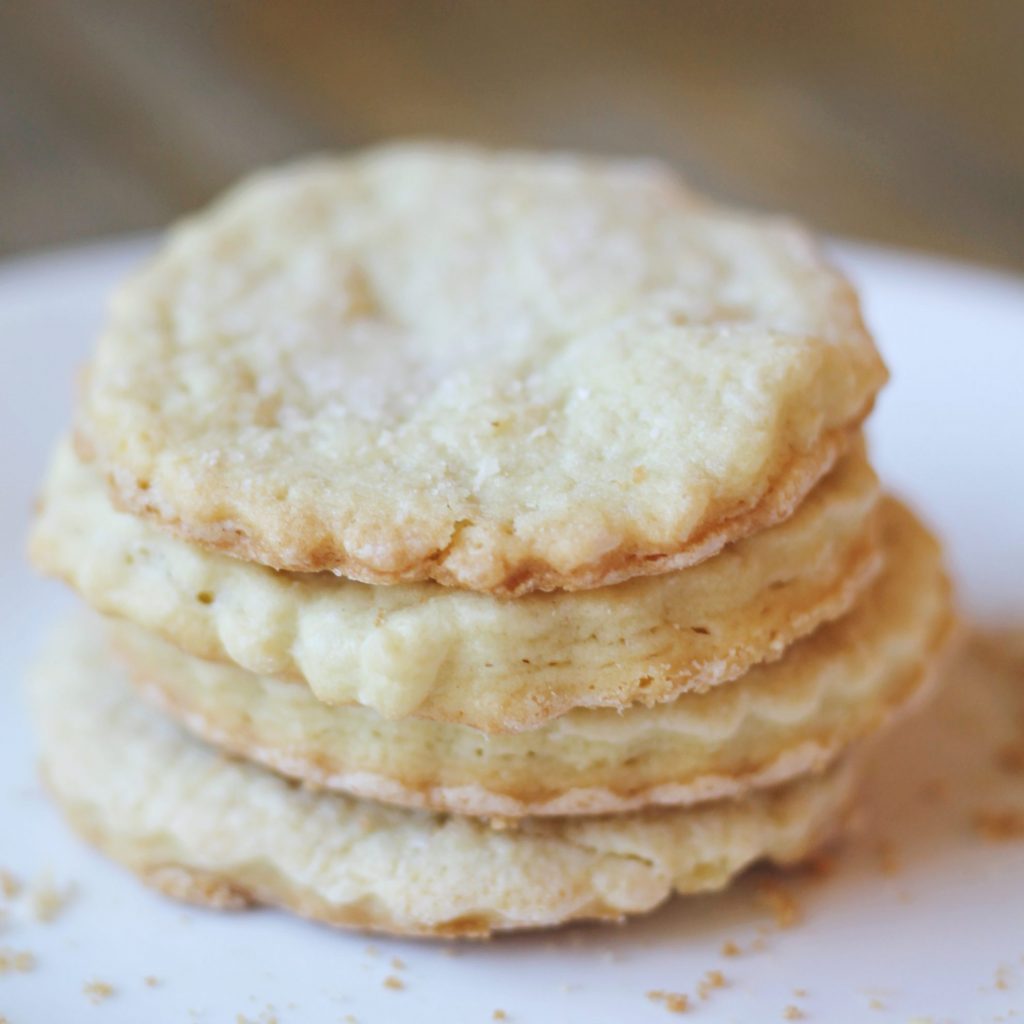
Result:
x=150 y=982
x=876 y=1004
x=800 y=993
x=397 y=963
x=268 y=1016
x=792 y=1012
x=394 y=983
x=998 y=825
x=97 y=991
x=780 y=902
x=710 y=981
x=9 y=884
x=48 y=900
x=499 y=1015
x=729 y=948
x=19 y=961
x=674 y=1002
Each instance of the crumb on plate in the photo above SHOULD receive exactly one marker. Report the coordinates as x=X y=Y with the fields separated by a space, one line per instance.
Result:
x=19 y=961
x=9 y=884
x=710 y=981
x=97 y=991
x=780 y=902
x=674 y=1002
x=48 y=899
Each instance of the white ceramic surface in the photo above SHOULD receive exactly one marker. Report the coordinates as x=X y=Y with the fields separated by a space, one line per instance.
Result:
x=925 y=942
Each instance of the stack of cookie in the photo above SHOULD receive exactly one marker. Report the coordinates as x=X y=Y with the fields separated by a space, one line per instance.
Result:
x=505 y=518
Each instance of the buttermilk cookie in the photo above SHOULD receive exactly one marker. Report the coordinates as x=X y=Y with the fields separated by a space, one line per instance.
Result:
x=226 y=833
x=780 y=720
x=503 y=372
x=455 y=656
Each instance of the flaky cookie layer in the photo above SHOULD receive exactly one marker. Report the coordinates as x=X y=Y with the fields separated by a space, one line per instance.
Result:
x=447 y=655
x=225 y=833
x=780 y=720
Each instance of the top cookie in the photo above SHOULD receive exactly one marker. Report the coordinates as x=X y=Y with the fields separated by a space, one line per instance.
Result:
x=500 y=371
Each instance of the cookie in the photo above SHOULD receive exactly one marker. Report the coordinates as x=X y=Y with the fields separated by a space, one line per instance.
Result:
x=776 y=722
x=457 y=656
x=226 y=833
x=500 y=371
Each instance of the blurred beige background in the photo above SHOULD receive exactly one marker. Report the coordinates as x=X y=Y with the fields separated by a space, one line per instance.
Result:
x=895 y=120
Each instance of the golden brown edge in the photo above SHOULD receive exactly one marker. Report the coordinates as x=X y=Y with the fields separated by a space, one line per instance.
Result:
x=862 y=567
x=216 y=891
x=779 y=500
x=811 y=754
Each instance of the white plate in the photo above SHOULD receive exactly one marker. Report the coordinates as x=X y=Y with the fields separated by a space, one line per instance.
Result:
x=948 y=433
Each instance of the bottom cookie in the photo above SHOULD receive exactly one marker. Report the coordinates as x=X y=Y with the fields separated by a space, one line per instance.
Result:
x=226 y=833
